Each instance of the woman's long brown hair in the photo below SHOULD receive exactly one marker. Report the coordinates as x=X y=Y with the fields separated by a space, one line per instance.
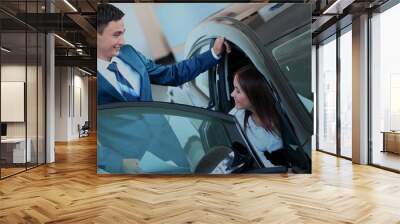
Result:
x=258 y=92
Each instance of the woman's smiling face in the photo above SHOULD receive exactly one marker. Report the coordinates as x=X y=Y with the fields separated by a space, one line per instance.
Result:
x=240 y=97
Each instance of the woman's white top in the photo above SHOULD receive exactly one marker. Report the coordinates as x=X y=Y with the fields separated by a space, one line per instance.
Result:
x=260 y=138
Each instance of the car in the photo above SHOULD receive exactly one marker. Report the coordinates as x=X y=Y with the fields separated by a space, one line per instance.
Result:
x=282 y=56
x=195 y=134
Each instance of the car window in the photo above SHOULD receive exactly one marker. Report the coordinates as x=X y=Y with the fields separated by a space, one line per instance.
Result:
x=166 y=139
x=293 y=55
x=201 y=81
x=196 y=92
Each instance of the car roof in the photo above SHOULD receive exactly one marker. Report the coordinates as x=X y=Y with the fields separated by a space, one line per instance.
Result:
x=264 y=17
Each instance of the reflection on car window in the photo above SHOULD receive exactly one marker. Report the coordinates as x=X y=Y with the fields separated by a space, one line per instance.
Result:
x=201 y=82
x=293 y=55
x=154 y=140
x=196 y=92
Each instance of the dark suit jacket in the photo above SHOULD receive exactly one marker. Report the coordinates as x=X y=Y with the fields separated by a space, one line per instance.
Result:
x=151 y=73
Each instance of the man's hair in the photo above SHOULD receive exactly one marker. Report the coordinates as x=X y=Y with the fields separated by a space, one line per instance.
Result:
x=105 y=14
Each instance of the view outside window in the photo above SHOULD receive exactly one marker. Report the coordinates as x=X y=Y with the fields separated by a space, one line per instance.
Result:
x=345 y=93
x=385 y=88
x=327 y=96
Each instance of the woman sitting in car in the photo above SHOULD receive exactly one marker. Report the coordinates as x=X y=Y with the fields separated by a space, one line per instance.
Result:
x=256 y=113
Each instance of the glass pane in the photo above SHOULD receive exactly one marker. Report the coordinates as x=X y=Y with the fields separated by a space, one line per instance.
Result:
x=32 y=98
x=294 y=59
x=41 y=99
x=200 y=94
x=327 y=96
x=169 y=141
x=13 y=87
x=385 y=85
x=31 y=85
x=346 y=94
x=195 y=93
x=201 y=82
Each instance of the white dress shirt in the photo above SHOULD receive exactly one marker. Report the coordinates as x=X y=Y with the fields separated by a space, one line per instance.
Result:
x=133 y=79
x=214 y=54
x=260 y=138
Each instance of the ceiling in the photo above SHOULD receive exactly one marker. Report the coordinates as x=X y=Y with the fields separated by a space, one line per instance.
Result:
x=75 y=22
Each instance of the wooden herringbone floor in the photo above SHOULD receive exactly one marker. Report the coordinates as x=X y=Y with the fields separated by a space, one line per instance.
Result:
x=70 y=191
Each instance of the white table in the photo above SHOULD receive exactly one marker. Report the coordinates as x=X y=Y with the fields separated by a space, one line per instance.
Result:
x=19 y=149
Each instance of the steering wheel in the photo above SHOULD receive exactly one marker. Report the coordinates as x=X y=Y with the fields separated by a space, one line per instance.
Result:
x=212 y=159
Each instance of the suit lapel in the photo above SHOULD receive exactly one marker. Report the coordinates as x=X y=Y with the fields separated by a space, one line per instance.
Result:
x=129 y=57
x=108 y=87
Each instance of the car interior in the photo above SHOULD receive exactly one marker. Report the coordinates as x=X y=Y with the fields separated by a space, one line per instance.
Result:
x=296 y=158
x=201 y=150
x=230 y=64
x=217 y=150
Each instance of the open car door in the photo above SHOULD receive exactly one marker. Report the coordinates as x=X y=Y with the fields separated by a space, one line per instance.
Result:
x=165 y=138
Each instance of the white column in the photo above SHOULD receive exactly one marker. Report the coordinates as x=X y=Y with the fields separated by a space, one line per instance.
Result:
x=314 y=90
x=50 y=92
x=50 y=101
x=360 y=90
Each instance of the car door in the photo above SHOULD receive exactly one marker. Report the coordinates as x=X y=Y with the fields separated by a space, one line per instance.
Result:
x=165 y=138
x=266 y=43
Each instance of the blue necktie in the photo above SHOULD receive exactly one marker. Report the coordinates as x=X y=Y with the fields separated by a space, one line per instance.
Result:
x=124 y=86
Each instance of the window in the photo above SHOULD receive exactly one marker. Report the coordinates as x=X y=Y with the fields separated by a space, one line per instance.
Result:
x=201 y=82
x=385 y=88
x=394 y=102
x=327 y=95
x=346 y=93
x=196 y=92
x=23 y=76
x=293 y=54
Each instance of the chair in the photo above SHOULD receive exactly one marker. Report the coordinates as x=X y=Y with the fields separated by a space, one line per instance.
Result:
x=84 y=130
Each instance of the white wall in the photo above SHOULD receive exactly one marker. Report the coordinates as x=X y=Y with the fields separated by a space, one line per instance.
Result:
x=61 y=103
x=80 y=100
x=12 y=73
x=33 y=126
x=70 y=84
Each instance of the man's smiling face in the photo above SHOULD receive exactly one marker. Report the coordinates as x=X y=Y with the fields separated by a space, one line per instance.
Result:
x=111 y=40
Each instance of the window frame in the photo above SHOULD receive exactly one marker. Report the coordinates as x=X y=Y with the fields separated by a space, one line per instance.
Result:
x=333 y=37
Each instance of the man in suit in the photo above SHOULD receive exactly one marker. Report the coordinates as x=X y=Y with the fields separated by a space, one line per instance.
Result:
x=125 y=75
